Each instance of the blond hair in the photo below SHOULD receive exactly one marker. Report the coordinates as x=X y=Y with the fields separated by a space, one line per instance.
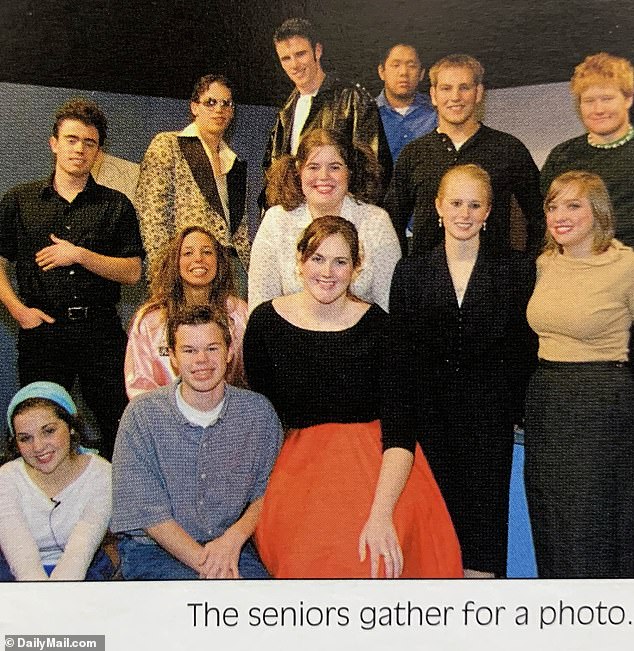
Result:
x=457 y=61
x=590 y=186
x=471 y=170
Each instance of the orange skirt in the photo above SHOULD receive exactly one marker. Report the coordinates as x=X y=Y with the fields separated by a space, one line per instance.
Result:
x=318 y=500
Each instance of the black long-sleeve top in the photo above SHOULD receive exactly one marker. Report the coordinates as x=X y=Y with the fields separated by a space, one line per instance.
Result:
x=316 y=377
x=484 y=349
x=424 y=161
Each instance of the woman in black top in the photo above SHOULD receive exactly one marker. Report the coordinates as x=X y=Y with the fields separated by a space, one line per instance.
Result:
x=338 y=489
x=466 y=352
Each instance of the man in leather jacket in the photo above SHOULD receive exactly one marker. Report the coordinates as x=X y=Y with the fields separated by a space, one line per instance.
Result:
x=320 y=100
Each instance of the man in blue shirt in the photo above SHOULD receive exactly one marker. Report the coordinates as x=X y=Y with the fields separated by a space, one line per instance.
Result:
x=191 y=462
x=406 y=113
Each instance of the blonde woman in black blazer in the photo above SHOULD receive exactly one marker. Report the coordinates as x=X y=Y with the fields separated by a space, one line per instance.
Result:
x=465 y=353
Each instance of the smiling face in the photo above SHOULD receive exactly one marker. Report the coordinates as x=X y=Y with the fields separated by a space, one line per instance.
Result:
x=401 y=73
x=201 y=356
x=464 y=206
x=604 y=110
x=570 y=221
x=328 y=271
x=76 y=147
x=324 y=179
x=301 y=63
x=197 y=263
x=455 y=96
x=213 y=120
x=43 y=439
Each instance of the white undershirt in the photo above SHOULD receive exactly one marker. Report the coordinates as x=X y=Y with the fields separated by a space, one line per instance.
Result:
x=302 y=109
x=457 y=145
x=195 y=416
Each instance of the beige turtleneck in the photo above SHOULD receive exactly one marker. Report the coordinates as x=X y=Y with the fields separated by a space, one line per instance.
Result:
x=582 y=308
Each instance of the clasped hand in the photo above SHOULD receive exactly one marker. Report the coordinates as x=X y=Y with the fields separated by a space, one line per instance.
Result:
x=220 y=557
x=61 y=253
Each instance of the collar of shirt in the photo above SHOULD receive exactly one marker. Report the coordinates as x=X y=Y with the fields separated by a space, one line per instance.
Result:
x=306 y=218
x=444 y=138
x=226 y=154
x=326 y=84
x=309 y=94
x=419 y=100
x=196 y=416
x=229 y=391
x=48 y=187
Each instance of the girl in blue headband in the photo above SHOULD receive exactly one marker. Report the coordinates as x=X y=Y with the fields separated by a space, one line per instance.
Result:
x=55 y=499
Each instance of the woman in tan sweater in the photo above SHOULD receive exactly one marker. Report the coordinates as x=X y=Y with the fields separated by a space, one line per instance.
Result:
x=580 y=404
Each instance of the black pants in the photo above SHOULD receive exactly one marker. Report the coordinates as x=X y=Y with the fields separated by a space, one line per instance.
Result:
x=92 y=350
x=579 y=470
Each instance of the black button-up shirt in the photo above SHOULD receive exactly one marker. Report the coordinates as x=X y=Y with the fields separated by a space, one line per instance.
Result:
x=99 y=219
x=422 y=164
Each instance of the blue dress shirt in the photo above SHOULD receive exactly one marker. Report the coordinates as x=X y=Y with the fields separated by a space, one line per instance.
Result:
x=419 y=119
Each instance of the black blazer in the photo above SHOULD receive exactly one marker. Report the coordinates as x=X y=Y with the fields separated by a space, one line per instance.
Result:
x=485 y=346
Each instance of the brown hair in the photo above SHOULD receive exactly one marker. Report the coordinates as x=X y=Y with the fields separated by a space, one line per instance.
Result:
x=198 y=315
x=166 y=285
x=300 y=27
x=84 y=110
x=472 y=170
x=202 y=86
x=592 y=187
x=603 y=68
x=321 y=228
x=284 y=184
x=457 y=61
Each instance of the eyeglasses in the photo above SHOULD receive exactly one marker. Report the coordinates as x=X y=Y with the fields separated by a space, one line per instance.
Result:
x=212 y=102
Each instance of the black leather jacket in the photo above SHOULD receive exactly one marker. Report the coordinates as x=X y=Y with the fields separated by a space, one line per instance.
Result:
x=349 y=110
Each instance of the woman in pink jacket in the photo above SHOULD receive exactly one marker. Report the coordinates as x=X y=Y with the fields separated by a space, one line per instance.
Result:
x=192 y=269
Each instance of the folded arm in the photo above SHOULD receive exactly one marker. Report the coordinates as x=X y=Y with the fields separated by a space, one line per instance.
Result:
x=88 y=532
x=63 y=253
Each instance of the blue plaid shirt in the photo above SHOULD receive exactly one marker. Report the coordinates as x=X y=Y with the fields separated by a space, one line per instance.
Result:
x=165 y=468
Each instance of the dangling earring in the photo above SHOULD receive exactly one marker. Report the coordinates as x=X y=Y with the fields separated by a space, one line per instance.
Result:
x=484 y=226
x=440 y=222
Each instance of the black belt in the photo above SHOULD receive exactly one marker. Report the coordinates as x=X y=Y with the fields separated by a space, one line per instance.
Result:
x=81 y=312
x=546 y=363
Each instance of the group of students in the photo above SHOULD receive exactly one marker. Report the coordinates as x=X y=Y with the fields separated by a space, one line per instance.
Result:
x=398 y=430
x=354 y=389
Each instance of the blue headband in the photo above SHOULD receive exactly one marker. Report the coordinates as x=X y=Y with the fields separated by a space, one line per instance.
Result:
x=49 y=390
